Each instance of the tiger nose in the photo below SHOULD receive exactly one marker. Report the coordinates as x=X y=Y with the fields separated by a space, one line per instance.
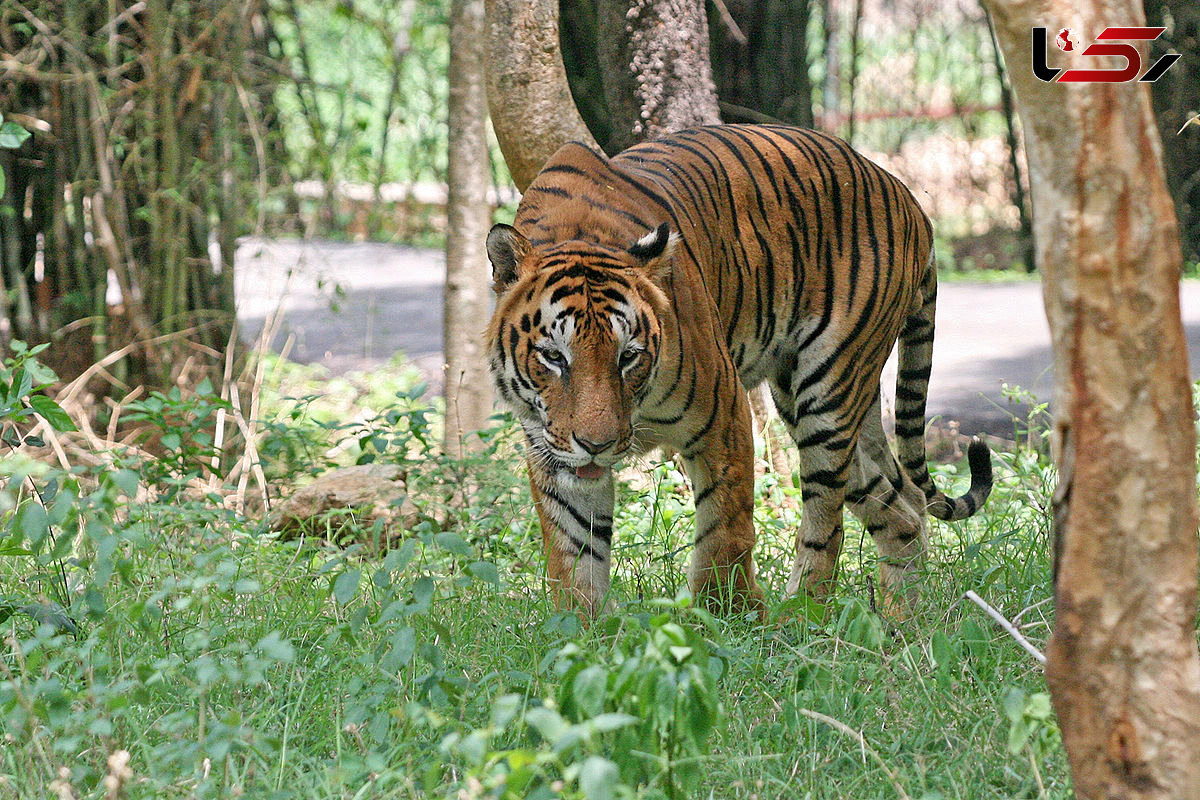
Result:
x=594 y=447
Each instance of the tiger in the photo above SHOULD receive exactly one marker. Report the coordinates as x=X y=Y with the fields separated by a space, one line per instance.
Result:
x=639 y=297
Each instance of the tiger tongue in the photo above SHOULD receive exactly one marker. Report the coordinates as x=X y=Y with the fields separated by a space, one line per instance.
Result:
x=590 y=472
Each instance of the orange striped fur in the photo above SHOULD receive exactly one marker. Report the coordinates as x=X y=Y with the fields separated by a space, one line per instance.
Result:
x=640 y=296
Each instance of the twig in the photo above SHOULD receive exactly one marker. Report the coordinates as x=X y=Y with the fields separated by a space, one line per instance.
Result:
x=43 y=429
x=1006 y=625
x=118 y=406
x=729 y=22
x=67 y=395
x=260 y=153
x=842 y=727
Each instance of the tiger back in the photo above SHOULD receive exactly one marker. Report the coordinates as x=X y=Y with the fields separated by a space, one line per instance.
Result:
x=639 y=297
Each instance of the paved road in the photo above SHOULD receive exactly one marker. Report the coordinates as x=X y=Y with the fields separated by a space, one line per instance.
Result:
x=352 y=306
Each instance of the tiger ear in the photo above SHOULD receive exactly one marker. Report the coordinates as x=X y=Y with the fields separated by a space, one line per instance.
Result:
x=506 y=248
x=656 y=249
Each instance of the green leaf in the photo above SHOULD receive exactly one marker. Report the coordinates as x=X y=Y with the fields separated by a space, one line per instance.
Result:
x=422 y=594
x=12 y=135
x=485 y=571
x=680 y=654
x=52 y=412
x=403 y=645
x=346 y=585
x=943 y=650
x=701 y=711
x=276 y=647
x=546 y=721
x=50 y=613
x=504 y=710
x=1038 y=706
x=588 y=691
x=452 y=543
x=33 y=521
x=603 y=723
x=399 y=559
x=1018 y=734
x=126 y=480
x=598 y=778
x=1013 y=704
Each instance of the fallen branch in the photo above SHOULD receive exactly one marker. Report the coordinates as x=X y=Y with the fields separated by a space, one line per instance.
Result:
x=1006 y=625
x=842 y=727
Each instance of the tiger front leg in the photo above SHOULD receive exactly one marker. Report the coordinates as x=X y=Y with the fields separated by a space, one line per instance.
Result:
x=576 y=517
x=722 y=570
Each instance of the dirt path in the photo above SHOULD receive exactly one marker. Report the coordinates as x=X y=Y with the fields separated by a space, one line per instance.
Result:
x=352 y=306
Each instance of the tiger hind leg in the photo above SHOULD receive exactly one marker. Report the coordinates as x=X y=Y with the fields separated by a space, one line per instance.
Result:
x=892 y=508
x=826 y=451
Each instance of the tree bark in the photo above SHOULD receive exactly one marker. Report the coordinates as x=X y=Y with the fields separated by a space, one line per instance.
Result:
x=528 y=96
x=468 y=285
x=1122 y=663
x=655 y=67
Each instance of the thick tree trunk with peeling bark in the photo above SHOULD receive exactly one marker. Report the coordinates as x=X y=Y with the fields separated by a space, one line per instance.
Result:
x=1122 y=664
x=655 y=67
x=468 y=278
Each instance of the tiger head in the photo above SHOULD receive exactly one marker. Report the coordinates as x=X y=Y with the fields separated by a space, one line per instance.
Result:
x=575 y=340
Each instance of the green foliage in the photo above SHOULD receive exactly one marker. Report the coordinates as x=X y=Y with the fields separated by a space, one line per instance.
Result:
x=632 y=717
x=142 y=617
x=43 y=505
x=12 y=136
x=342 y=58
x=180 y=429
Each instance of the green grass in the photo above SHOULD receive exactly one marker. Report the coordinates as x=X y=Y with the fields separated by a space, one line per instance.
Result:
x=229 y=663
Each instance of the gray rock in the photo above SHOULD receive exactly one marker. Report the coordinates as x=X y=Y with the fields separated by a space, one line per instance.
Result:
x=346 y=503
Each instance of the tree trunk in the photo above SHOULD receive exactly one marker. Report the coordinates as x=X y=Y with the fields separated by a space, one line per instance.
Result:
x=1175 y=95
x=528 y=96
x=468 y=388
x=655 y=67
x=1122 y=663
x=760 y=61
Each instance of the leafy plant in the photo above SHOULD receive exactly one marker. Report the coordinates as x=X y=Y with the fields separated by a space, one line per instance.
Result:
x=223 y=662
x=181 y=429
x=39 y=502
x=12 y=136
x=632 y=717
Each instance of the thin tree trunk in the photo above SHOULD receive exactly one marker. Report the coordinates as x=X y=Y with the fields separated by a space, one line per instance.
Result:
x=1122 y=663
x=468 y=392
x=1011 y=140
x=831 y=88
x=400 y=44
x=854 y=48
